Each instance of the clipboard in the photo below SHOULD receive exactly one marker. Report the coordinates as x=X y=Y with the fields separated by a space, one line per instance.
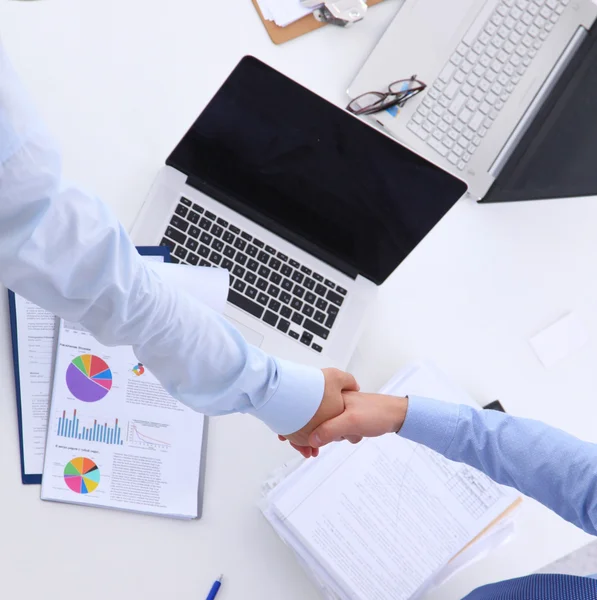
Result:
x=35 y=478
x=308 y=23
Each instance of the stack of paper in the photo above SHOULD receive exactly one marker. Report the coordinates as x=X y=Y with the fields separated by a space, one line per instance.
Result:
x=388 y=518
x=283 y=12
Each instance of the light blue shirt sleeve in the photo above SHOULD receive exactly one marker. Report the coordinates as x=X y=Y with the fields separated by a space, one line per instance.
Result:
x=543 y=462
x=64 y=250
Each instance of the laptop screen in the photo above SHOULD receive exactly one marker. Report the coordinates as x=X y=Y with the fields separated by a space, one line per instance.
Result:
x=312 y=173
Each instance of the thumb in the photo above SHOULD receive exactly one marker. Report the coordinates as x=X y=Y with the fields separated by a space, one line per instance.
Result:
x=348 y=382
x=330 y=431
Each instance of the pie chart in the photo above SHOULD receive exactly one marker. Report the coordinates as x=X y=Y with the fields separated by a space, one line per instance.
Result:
x=81 y=475
x=88 y=378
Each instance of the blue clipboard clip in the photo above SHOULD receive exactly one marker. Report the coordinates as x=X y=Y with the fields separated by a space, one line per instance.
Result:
x=342 y=13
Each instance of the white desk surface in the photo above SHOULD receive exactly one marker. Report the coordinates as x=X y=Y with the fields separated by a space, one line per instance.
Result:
x=119 y=83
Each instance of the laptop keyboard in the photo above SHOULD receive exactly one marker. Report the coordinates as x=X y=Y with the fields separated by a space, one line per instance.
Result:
x=263 y=281
x=473 y=87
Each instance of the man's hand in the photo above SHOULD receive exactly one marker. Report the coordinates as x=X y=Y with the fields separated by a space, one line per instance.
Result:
x=331 y=406
x=365 y=415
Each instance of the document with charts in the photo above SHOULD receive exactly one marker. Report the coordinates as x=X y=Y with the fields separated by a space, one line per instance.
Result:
x=116 y=438
x=34 y=336
x=384 y=518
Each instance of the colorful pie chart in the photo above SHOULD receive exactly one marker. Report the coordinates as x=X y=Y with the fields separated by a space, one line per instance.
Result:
x=138 y=370
x=88 y=378
x=81 y=475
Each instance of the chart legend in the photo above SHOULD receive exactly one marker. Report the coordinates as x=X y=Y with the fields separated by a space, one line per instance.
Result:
x=89 y=378
x=81 y=475
x=92 y=431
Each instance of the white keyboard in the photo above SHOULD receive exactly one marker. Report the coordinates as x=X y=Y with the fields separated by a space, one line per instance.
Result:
x=473 y=87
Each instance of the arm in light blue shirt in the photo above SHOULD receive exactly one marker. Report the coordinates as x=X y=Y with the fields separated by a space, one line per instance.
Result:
x=543 y=462
x=64 y=250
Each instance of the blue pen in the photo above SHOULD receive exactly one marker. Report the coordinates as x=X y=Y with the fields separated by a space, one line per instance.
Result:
x=215 y=588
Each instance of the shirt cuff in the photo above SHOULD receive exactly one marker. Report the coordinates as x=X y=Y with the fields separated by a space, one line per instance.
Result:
x=295 y=401
x=430 y=422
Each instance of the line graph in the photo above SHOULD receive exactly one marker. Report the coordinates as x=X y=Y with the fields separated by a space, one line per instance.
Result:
x=149 y=435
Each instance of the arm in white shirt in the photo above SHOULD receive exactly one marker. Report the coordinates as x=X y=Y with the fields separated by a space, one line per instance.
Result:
x=64 y=250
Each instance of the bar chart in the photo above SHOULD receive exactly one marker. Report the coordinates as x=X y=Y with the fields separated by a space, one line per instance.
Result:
x=105 y=431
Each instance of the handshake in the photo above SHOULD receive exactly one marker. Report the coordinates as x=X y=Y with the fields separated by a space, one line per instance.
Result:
x=347 y=414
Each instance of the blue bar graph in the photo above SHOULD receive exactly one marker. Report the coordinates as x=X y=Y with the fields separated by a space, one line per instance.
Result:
x=70 y=428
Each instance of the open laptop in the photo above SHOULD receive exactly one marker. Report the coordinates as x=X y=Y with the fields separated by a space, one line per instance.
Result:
x=489 y=65
x=308 y=207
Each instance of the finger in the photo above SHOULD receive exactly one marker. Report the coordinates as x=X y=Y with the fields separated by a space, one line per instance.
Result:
x=348 y=382
x=354 y=439
x=330 y=431
x=315 y=452
x=281 y=438
x=306 y=451
x=299 y=448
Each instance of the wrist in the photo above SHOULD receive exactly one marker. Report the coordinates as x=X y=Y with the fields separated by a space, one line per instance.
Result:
x=398 y=407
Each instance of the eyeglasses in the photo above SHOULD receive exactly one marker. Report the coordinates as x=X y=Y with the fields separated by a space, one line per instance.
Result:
x=398 y=93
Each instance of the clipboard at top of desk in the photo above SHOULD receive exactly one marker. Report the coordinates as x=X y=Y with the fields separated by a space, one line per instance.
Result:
x=280 y=35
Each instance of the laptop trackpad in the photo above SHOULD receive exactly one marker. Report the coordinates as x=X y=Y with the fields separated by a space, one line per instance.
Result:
x=252 y=337
x=438 y=31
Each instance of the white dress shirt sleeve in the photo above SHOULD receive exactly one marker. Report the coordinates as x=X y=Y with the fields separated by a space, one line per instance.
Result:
x=64 y=250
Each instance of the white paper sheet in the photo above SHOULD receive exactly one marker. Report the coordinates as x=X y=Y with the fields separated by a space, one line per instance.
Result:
x=560 y=340
x=36 y=339
x=495 y=537
x=264 y=8
x=328 y=588
x=206 y=284
x=142 y=446
x=283 y=12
